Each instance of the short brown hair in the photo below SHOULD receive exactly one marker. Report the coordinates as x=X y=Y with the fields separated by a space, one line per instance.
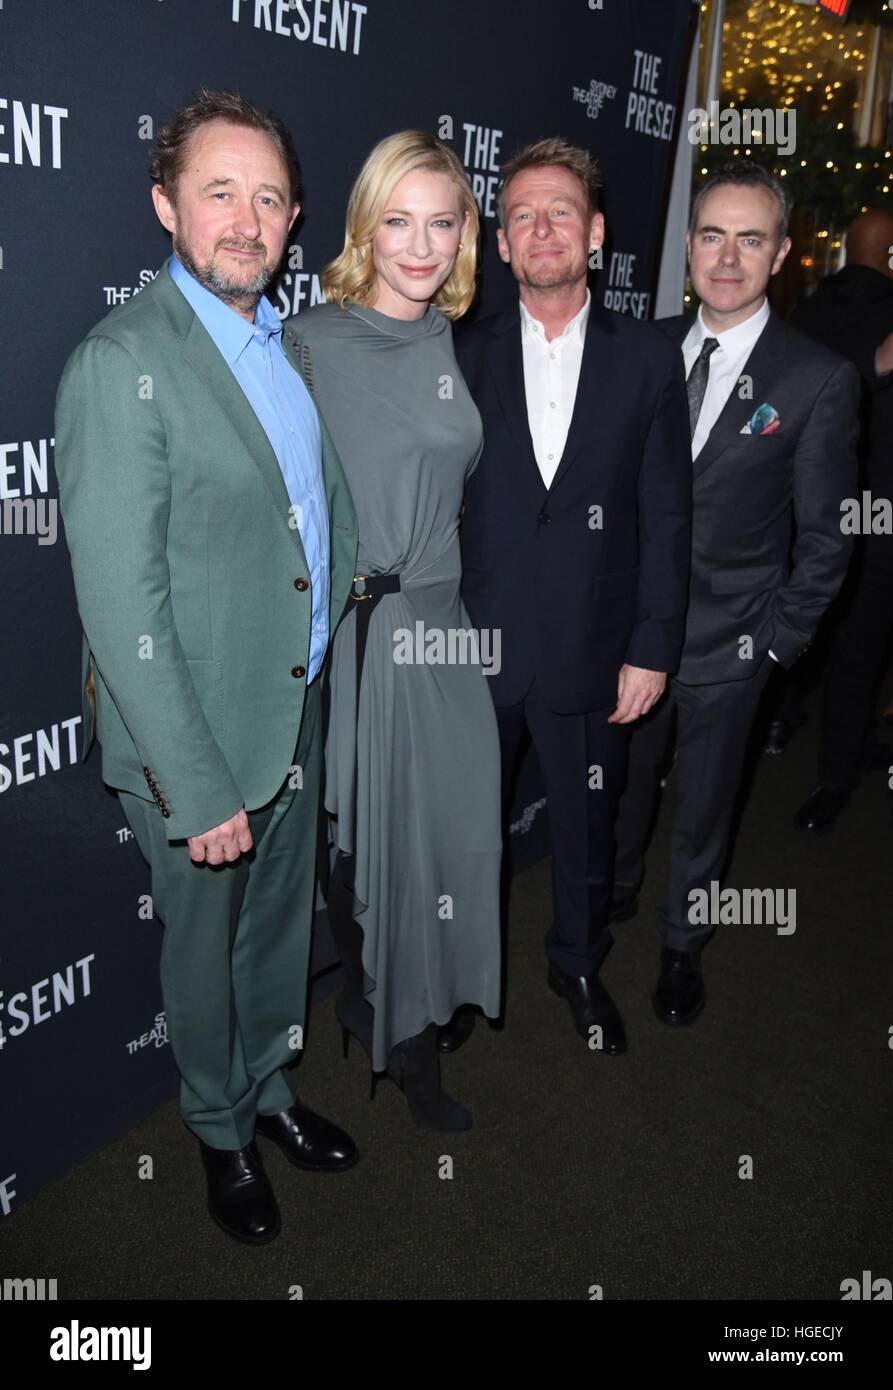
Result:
x=556 y=151
x=169 y=151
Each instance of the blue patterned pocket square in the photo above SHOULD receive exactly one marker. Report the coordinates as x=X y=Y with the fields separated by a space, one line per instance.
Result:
x=765 y=420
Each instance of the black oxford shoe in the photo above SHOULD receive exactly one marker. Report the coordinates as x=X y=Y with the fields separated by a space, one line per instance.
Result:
x=307 y=1140
x=590 y=1005
x=453 y=1035
x=240 y=1197
x=680 y=995
x=820 y=810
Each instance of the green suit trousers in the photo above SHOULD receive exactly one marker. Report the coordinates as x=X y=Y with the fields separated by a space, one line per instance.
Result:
x=236 y=948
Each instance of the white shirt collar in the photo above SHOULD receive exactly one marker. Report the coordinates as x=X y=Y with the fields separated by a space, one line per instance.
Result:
x=733 y=340
x=576 y=325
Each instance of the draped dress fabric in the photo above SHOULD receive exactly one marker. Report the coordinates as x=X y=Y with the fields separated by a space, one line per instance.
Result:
x=412 y=771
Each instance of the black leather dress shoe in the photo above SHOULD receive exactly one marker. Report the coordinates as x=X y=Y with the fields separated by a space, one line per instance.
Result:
x=780 y=733
x=820 y=810
x=452 y=1035
x=590 y=1004
x=240 y=1197
x=680 y=995
x=308 y=1140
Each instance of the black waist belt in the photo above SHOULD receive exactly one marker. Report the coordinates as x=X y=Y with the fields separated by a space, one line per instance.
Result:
x=366 y=592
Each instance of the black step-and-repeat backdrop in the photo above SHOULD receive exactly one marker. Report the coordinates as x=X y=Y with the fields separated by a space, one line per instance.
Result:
x=84 y=84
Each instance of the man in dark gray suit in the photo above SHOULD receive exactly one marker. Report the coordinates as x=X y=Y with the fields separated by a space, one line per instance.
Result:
x=774 y=423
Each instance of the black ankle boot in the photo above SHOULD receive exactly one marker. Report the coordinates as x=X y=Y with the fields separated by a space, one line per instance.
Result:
x=455 y=1034
x=415 y=1066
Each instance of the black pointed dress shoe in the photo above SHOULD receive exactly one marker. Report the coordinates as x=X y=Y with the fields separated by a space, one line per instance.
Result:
x=240 y=1198
x=820 y=810
x=590 y=1005
x=308 y=1140
x=680 y=995
x=453 y=1035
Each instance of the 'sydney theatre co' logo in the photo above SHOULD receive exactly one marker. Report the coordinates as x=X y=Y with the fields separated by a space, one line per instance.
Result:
x=594 y=97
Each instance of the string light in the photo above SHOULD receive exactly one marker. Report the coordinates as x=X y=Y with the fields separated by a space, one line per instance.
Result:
x=777 y=55
x=775 y=30
x=777 y=46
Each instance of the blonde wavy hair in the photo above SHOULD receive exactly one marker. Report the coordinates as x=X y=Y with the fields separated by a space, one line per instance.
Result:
x=351 y=276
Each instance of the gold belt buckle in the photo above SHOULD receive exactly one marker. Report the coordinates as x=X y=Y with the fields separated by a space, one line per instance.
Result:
x=354 y=593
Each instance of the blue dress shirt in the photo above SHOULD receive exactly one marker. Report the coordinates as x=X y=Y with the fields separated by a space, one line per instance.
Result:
x=280 y=400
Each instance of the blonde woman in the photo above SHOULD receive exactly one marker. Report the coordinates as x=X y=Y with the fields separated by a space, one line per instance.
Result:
x=412 y=757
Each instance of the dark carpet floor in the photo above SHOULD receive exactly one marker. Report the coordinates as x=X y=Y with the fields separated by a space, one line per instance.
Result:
x=581 y=1169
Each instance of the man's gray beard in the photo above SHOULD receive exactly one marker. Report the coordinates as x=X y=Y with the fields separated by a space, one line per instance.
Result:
x=242 y=295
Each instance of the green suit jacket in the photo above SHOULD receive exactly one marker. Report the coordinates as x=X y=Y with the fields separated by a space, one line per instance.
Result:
x=185 y=555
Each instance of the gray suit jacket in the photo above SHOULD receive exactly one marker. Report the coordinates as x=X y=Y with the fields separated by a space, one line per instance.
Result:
x=768 y=553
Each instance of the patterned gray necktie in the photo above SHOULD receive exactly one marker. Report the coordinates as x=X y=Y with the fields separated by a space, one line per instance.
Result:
x=696 y=385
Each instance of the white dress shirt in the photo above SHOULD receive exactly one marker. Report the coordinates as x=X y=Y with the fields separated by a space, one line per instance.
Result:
x=726 y=365
x=551 y=374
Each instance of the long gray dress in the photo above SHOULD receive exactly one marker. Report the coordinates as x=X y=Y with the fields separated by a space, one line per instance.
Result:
x=416 y=769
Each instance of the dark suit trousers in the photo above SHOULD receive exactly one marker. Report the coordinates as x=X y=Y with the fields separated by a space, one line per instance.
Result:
x=575 y=752
x=712 y=727
x=858 y=653
x=850 y=658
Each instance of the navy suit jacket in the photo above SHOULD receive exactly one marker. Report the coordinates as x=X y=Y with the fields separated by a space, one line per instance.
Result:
x=593 y=571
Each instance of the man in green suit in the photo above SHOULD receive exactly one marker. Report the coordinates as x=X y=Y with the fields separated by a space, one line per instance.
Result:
x=213 y=544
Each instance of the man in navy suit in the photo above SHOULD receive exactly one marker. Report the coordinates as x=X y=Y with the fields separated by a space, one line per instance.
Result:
x=774 y=423
x=575 y=542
